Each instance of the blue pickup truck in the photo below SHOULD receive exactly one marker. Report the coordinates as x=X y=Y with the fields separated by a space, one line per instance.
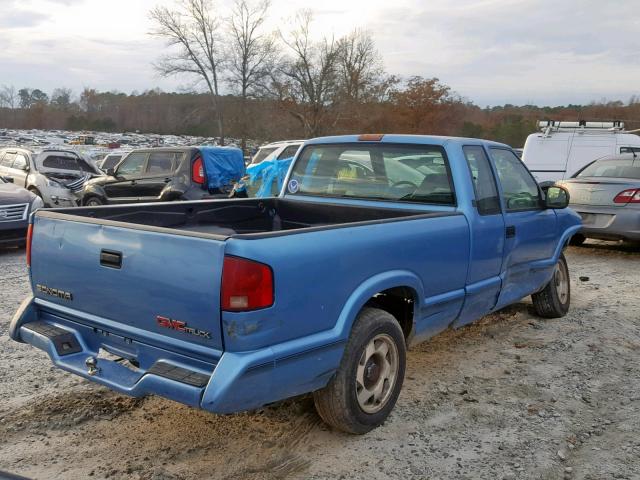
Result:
x=374 y=244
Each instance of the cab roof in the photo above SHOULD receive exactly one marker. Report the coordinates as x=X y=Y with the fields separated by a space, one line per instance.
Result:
x=406 y=139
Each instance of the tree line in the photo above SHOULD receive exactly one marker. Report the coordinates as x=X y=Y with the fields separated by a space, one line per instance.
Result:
x=248 y=82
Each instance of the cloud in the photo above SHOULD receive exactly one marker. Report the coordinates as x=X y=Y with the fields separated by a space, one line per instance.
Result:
x=18 y=18
x=490 y=51
x=501 y=51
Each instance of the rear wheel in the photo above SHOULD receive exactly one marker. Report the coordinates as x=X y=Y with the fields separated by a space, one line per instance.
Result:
x=93 y=201
x=577 y=240
x=554 y=300
x=367 y=384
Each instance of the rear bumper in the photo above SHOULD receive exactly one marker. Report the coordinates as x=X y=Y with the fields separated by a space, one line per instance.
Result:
x=235 y=381
x=620 y=223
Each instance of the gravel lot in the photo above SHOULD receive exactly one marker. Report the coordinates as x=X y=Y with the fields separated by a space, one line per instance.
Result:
x=512 y=397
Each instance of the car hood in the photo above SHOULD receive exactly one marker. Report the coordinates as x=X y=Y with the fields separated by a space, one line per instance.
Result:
x=11 y=194
x=101 y=180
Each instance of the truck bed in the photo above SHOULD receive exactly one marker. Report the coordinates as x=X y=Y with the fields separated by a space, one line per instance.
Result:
x=250 y=218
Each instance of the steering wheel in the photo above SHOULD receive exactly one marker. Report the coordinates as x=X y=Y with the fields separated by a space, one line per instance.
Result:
x=404 y=183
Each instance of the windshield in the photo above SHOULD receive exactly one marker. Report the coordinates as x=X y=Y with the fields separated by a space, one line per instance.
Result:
x=408 y=173
x=263 y=153
x=617 y=168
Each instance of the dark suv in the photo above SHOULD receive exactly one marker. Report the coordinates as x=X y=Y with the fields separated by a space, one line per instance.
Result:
x=167 y=174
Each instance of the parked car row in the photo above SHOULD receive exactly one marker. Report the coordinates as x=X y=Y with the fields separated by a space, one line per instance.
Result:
x=64 y=178
x=606 y=192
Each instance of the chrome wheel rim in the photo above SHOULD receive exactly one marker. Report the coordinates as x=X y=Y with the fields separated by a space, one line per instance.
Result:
x=93 y=203
x=377 y=373
x=561 y=280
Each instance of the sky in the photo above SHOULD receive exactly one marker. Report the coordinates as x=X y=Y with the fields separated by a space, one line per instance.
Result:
x=491 y=52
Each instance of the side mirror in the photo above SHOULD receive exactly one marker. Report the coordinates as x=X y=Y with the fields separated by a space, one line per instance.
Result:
x=557 y=197
x=26 y=168
x=111 y=172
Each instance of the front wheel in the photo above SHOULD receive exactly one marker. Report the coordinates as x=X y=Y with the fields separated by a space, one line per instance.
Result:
x=554 y=299
x=93 y=201
x=366 y=386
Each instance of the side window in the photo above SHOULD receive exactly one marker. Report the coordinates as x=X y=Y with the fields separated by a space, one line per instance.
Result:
x=519 y=188
x=289 y=151
x=7 y=161
x=132 y=165
x=20 y=162
x=160 y=163
x=629 y=149
x=487 y=200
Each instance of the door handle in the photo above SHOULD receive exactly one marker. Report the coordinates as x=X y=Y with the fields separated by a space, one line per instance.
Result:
x=133 y=182
x=167 y=180
x=510 y=231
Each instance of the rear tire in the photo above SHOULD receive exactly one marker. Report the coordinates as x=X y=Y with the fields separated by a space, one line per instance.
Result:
x=553 y=301
x=93 y=201
x=366 y=386
x=577 y=240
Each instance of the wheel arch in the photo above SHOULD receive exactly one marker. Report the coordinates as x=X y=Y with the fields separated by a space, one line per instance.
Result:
x=93 y=191
x=398 y=292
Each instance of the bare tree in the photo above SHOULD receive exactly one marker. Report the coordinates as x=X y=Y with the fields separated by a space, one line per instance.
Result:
x=359 y=65
x=252 y=52
x=61 y=98
x=307 y=82
x=193 y=29
x=9 y=96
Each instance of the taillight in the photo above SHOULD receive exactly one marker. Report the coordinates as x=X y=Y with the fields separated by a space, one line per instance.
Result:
x=246 y=285
x=197 y=171
x=29 y=238
x=631 y=195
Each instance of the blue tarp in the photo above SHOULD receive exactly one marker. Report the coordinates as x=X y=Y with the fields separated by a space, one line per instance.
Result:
x=265 y=173
x=224 y=165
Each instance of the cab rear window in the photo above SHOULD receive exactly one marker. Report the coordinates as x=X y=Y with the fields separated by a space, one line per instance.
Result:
x=393 y=172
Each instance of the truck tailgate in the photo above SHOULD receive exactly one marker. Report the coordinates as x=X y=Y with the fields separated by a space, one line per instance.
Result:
x=136 y=279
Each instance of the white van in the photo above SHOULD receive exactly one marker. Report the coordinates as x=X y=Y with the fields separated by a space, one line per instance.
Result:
x=560 y=149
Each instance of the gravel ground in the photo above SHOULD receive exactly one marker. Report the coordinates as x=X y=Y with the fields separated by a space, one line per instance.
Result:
x=512 y=396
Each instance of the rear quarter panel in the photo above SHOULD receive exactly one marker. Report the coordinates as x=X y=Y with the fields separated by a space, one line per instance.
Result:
x=322 y=278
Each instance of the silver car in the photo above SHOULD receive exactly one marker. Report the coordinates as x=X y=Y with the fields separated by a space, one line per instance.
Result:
x=606 y=194
x=57 y=176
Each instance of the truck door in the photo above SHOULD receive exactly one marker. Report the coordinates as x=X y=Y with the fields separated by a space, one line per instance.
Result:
x=123 y=187
x=487 y=239
x=530 y=228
